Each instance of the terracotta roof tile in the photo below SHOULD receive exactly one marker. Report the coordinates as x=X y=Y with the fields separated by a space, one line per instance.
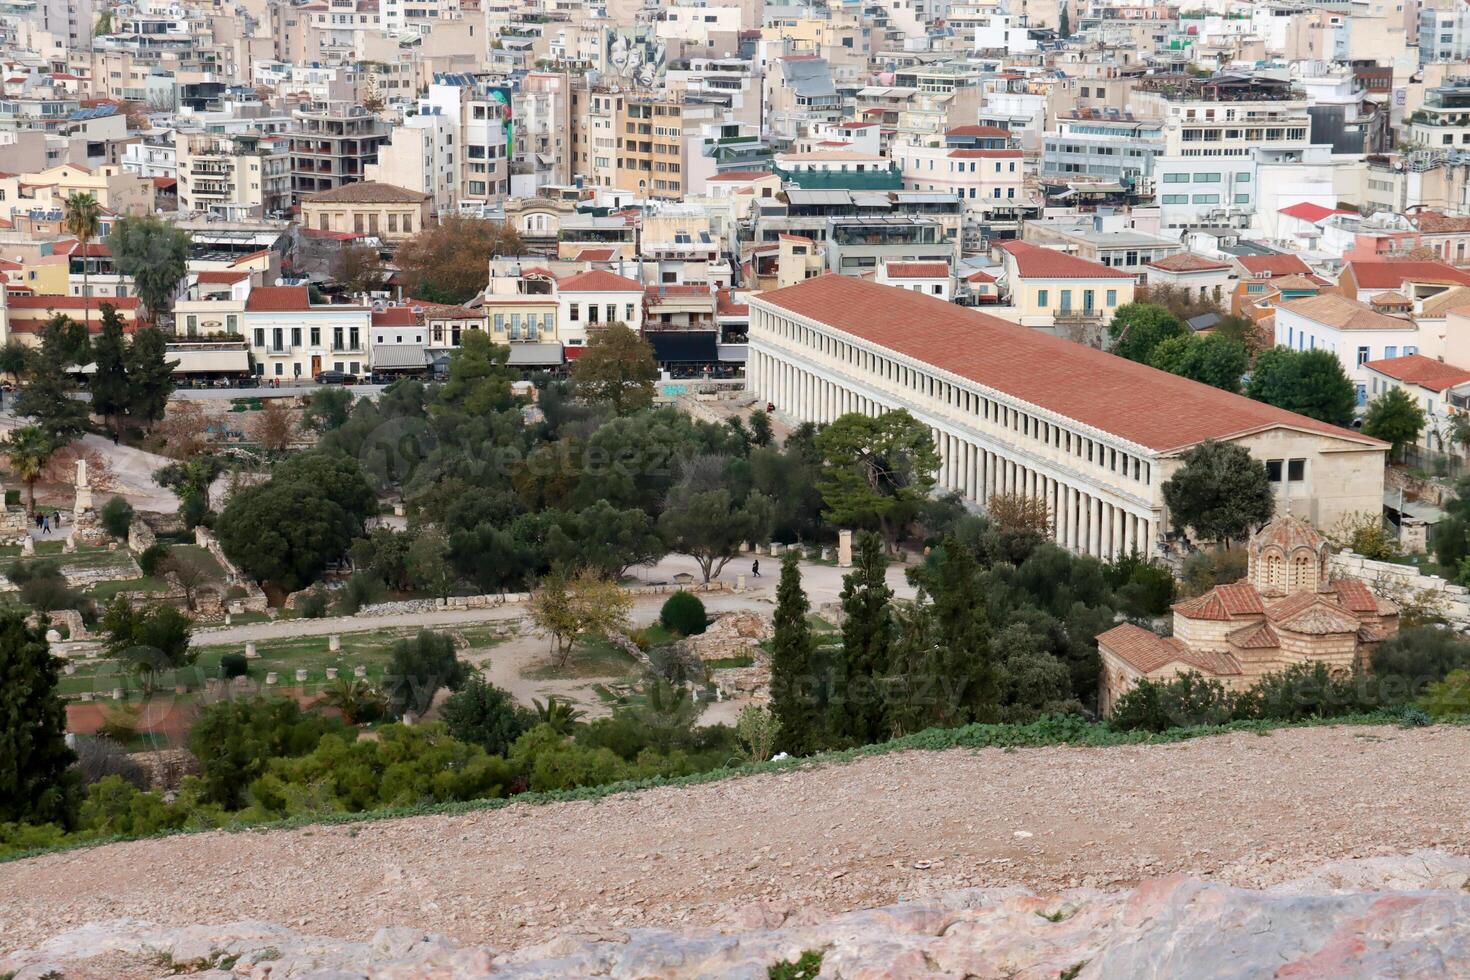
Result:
x=1337 y=311
x=1309 y=212
x=278 y=299
x=598 y=281
x=1188 y=262
x=1035 y=262
x=1075 y=381
x=1256 y=636
x=367 y=192
x=917 y=270
x=1378 y=274
x=1273 y=265
x=1416 y=369
x=1353 y=594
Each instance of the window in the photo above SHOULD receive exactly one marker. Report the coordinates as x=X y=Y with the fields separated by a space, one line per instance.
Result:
x=1041 y=297
x=1362 y=395
x=1207 y=199
x=1112 y=297
x=316 y=336
x=1176 y=198
x=1242 y=199
x=1207 y=178
x=1296 y=470
x=1362 y=354
x=1390 y=352
x=259 y=337
x=1243 y=178
x=1273 y=470
x=1176 y=178
x=295 y=336
x=576 y=313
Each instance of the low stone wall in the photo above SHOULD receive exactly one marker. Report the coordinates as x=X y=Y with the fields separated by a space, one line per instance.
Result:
x=1395 y=582
x=1416 y=488
x=401 y=606
x=140 y=536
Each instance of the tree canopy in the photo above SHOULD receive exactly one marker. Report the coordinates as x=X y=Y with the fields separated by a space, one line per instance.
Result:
x=1215 y=359
x=36 y=785
x=1137 y=328
x=1220 y=492
x=876 y=471
x=1396 y=418
x=449 y=262
x=1308 y=382
x=617 y=369
x=153 y=253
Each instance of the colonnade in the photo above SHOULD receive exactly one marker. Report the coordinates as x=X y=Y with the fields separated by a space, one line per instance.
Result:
x=1082 y=519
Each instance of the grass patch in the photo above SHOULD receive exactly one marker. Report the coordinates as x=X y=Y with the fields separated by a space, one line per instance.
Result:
x=727 y=663
x=594 y=657
x=104 y=592
x=805 y=967
x=1053 y=731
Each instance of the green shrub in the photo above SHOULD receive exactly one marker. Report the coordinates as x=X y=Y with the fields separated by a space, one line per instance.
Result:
x=1306 y=691
x=234 y=741
x=482 y=714
x=683 y=613
x=194 y=509
x=12 y=498
x=1449 y=698
x=116 y=516
x=233 y=665
x=362 y=589
x=152 y=558
x=808 y=966
x=313 y=605
x=1184 y=702
x=1407 y=663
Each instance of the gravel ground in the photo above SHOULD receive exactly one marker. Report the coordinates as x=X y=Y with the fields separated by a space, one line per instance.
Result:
x=1242 y=808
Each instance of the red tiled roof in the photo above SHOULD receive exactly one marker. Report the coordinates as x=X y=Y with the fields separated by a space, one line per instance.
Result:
x=224 y=277
x=1353 y=594
x=1257 y=636
x=1078 y=382
x=1434 y=222
x=93 y=250
x=917 y=270
x=47 y=302
x=1273 y=265
x=980 y=277
x=598 y=281
x=163 y=183
x=1187 y=262
x=1416 y=369
x=1377 y=274
x=1223 y=602
x=1035 y=262
x=278 y=299
x=596 y=255
x=1309 y=212
x=1147 y=652
x=395 y=316
x=725 y=305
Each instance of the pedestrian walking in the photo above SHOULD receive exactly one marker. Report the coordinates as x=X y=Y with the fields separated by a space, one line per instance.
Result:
x=755 y=568
x=45 y=524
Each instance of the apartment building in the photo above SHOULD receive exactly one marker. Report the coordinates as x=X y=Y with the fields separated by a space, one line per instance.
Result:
x=333 y=144
x=390 y=214
x=652 y=150
x=237 y=177
x=1107 y=145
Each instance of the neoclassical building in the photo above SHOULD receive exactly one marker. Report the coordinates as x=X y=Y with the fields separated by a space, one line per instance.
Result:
x=1014 y=410
x=1287 y=610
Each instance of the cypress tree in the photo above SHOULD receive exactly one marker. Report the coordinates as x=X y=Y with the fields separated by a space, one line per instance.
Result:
x=109 y=384
x=795 y=698
x=967 y=682
x=867 y=635
x=36 y=783
x=150 y=375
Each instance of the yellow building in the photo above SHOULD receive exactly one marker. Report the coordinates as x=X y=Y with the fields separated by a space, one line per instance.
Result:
x=1050 y=289
x=651 y=158
x=368 y=208
x=115 y=189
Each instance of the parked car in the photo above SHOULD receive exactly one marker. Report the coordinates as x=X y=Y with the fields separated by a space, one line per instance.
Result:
x=336 y=378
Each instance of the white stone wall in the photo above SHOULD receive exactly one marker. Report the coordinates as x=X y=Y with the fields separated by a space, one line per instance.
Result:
x=1392 y=581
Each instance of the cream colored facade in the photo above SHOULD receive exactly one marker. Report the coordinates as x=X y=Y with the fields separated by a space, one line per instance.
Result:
x=1104 y=492
x=114 y=188
x=393 y=215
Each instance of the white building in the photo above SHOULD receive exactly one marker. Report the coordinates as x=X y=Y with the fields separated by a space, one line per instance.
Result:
x=1355 y=332
x=292 y=339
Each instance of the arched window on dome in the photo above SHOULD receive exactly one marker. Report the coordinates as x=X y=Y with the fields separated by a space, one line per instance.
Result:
x=1303 y=572
x=1275 y=577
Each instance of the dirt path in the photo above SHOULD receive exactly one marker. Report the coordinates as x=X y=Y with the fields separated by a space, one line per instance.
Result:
x=1244 y=808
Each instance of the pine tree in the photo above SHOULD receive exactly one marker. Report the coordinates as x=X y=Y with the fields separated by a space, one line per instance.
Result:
x=867 y=634
x=36 y=784
x=150 y=376
x=109 y=383
x=48 y=396
x=967 y=683
x=795 y=697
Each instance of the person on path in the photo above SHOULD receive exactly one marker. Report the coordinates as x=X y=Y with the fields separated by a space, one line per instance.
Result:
x=45 y=524
x=755 y=568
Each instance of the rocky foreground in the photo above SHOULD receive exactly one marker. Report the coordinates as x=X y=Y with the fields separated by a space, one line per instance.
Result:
x=1377 y=917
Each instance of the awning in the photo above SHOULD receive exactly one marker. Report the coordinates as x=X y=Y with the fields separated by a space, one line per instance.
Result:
x=399 y=357
x=733 y=353
x=671 y=346
x=230 y=361
x=534 y=355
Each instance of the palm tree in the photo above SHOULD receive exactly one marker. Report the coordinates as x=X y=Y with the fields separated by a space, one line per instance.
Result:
x=356 y=699
x=560 y=715
x=82 y=219
x=29 y=450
